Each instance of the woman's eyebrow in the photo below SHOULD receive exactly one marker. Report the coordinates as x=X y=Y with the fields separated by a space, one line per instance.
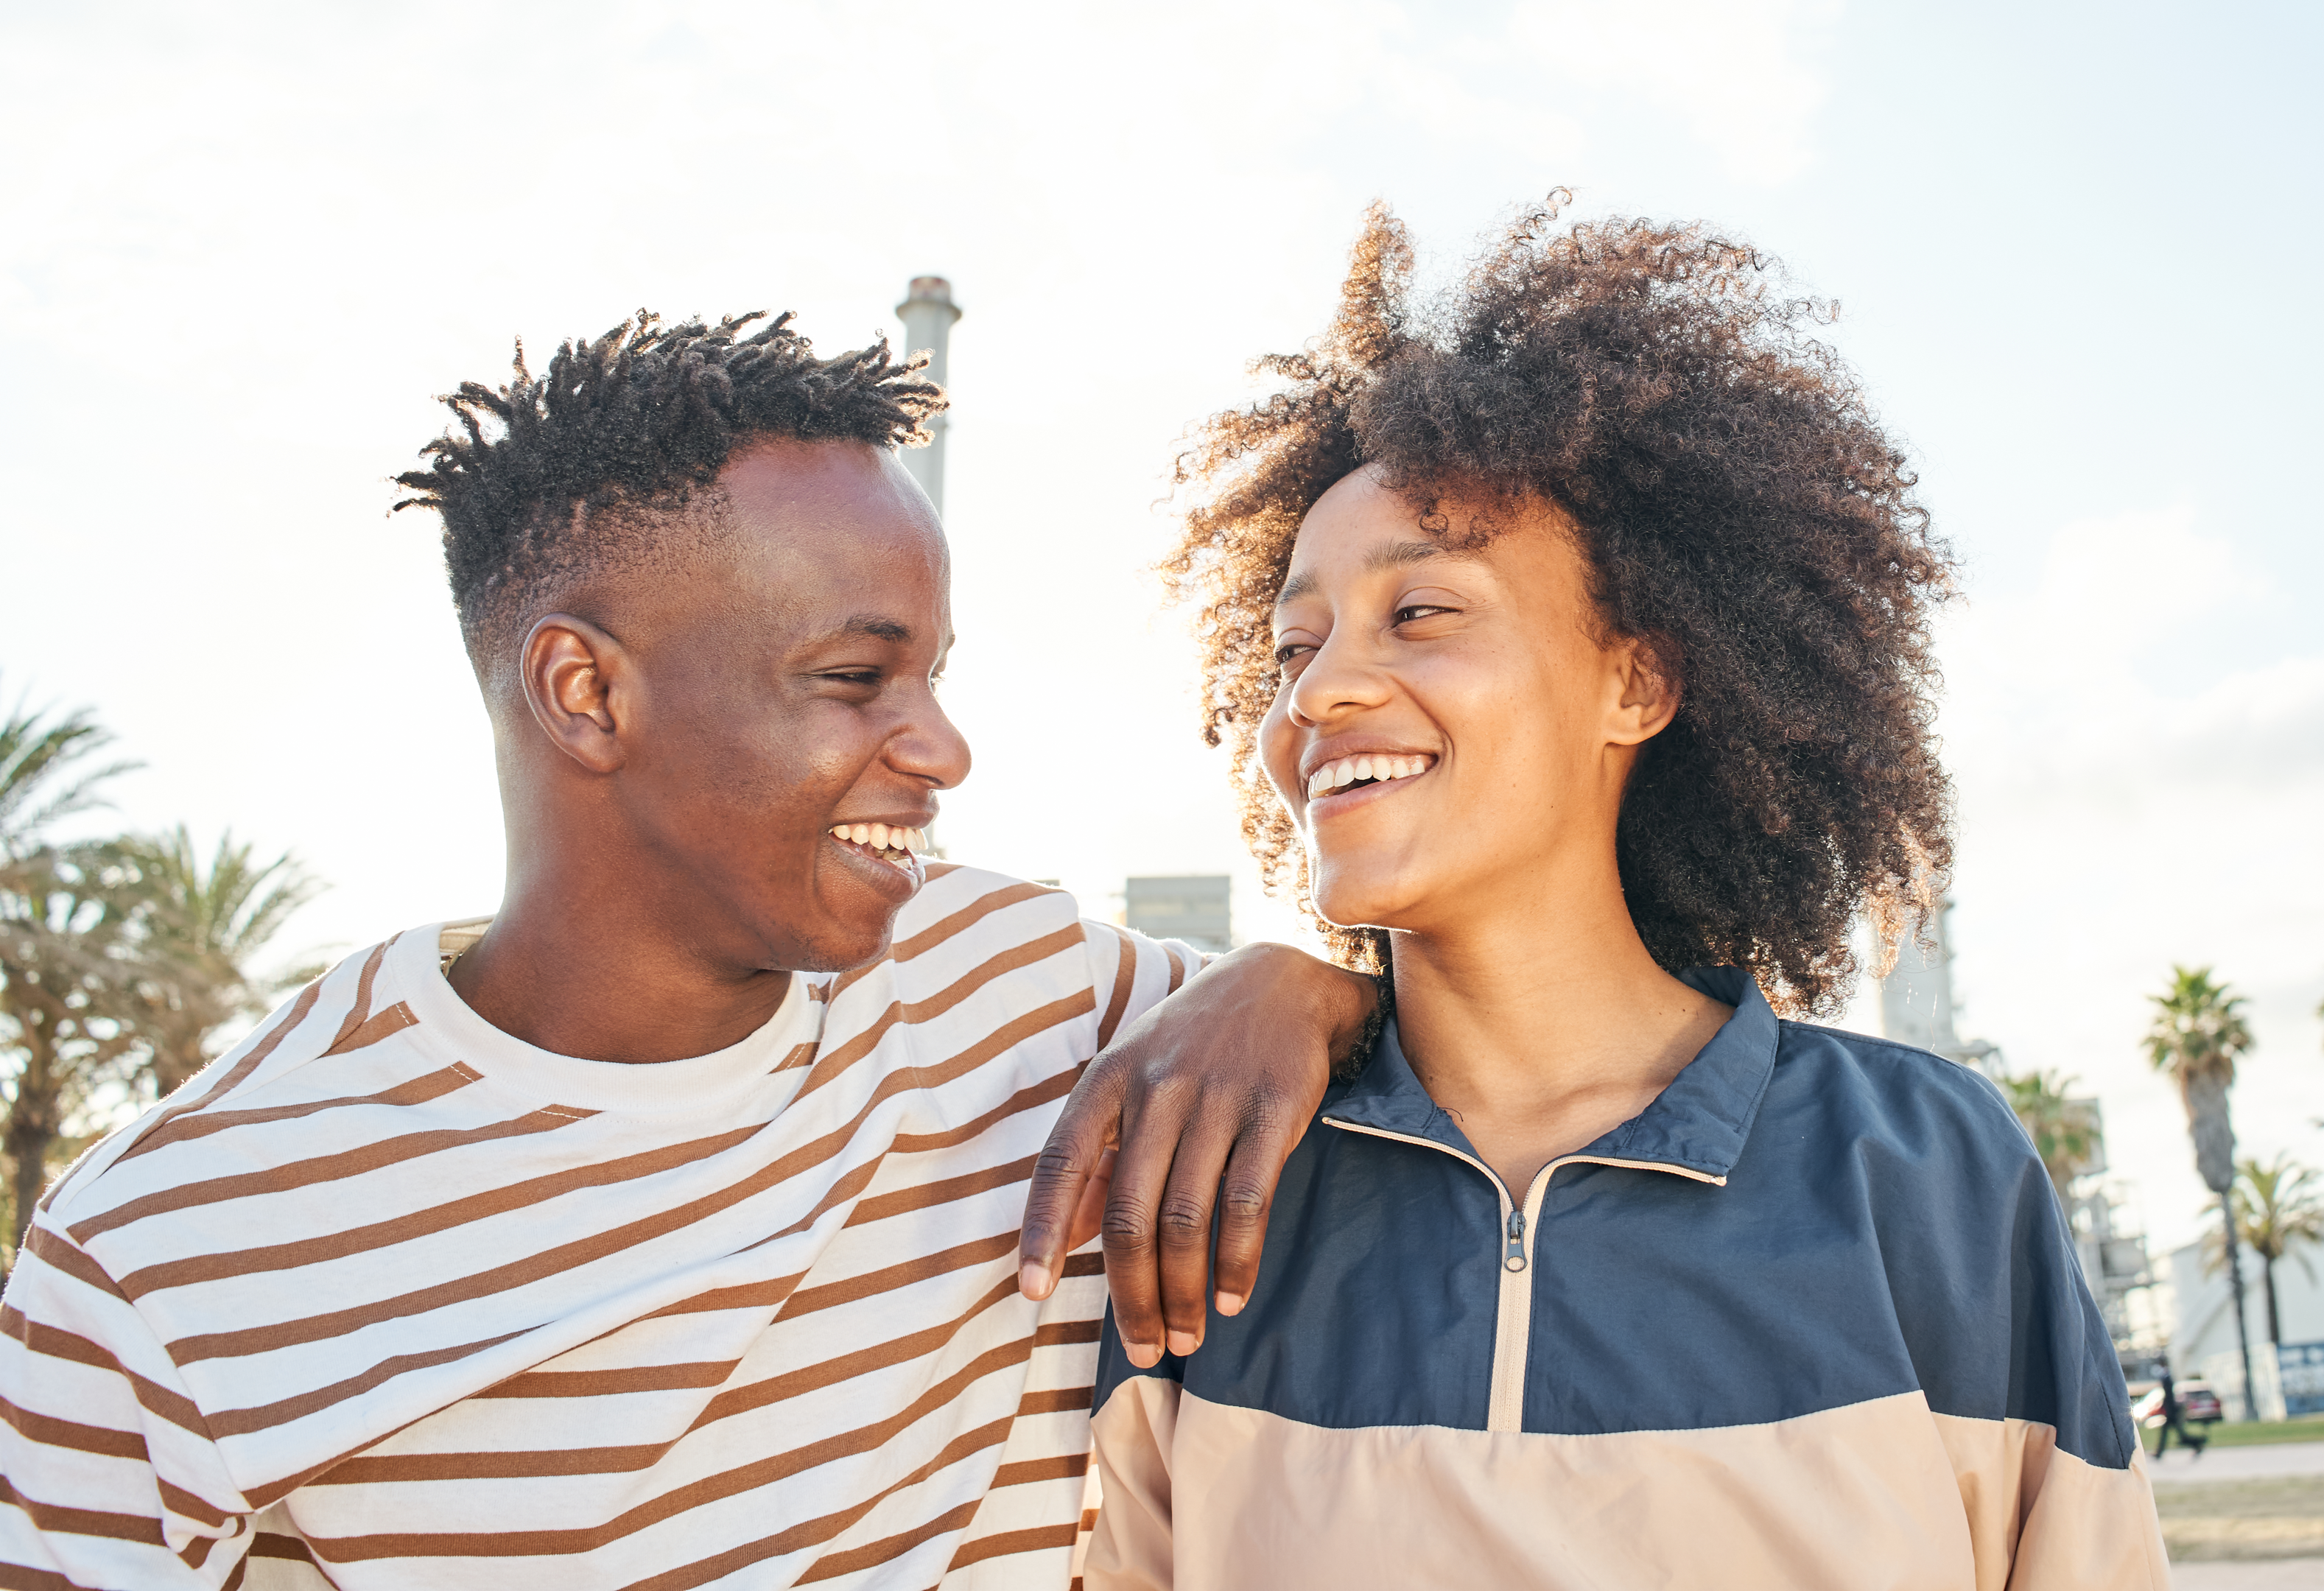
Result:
x=1393 y=554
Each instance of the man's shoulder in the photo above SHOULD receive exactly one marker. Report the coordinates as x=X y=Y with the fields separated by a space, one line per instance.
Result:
x=976 y=906
x=335 y=1042
x=970 y=929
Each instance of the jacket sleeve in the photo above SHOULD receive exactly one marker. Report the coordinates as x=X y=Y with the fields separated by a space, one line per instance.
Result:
x=2052 y=1479
x=1130 y=1549
x=2084 y=1525
x=108 y=1475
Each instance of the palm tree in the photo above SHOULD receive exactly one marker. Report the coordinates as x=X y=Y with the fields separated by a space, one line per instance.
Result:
x=65 y=934
x=2278 y=1207
x=2063 y=1133
x=70 y=961
x=204 y=931
x=44 y=776
x=2197 y=1035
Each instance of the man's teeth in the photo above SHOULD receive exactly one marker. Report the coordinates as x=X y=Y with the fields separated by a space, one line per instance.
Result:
x=880 y=837
x=1350 y=769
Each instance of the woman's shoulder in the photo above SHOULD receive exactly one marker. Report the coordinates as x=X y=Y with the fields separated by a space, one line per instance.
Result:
x=1878 y=1088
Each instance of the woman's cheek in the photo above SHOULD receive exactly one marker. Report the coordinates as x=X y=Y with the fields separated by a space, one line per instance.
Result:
x=1278 y=754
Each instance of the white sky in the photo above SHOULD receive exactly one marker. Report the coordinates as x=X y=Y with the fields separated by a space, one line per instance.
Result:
x=241 y=247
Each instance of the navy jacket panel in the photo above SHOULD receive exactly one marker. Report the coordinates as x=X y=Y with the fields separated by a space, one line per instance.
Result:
x=1805 y=1219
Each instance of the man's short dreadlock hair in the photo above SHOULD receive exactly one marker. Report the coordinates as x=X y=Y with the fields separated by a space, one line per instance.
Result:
x=1741 y=511
x=581 y=469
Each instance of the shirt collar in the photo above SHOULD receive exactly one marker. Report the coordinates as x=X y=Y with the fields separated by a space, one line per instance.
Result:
x=1700 y=1122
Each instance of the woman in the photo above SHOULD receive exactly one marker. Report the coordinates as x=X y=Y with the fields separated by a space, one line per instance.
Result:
x=1573 y=644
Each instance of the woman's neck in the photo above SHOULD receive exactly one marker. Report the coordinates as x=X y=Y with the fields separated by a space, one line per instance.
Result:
x=1541 y=1031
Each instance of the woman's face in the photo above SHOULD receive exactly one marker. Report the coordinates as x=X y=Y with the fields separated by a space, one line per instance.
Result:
x=1450 y=728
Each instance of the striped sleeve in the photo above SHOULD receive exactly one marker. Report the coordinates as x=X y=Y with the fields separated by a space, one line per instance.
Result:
x=108 y=1476
x=1132 y=974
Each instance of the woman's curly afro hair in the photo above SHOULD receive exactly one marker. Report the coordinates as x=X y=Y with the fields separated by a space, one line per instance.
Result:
x=1741 y=512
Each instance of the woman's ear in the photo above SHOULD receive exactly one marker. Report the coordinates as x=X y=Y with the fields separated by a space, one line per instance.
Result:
x=1650 y=691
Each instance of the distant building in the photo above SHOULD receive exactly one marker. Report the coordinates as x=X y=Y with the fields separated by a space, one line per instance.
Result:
x=2203 y=1336
x=1192 y=907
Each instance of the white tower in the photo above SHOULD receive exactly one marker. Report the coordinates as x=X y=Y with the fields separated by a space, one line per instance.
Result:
x=928 y=313
x=1916 y=999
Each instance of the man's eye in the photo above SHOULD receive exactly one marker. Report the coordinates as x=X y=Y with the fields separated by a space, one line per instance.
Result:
x=856 y=676
x=1419 y=611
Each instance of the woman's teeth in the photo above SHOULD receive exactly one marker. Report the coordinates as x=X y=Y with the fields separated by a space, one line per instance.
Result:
x=880 y=837
x=1354 y=771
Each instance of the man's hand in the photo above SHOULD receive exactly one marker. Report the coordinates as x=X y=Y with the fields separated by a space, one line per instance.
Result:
x=1198 y=1103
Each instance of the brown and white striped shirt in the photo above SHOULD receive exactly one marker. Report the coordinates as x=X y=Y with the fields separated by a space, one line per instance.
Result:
x=386 y=1297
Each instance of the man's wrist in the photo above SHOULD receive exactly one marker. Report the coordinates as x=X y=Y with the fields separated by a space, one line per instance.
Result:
x=1345 y=1003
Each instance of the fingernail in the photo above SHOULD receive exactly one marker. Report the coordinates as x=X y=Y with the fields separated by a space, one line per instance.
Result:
x=1182 y=1343
x=1033 y=1279
x=1230 y=1304
x=1144 y=1355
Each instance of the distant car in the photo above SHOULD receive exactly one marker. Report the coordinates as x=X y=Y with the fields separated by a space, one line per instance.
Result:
x=2198 y=1405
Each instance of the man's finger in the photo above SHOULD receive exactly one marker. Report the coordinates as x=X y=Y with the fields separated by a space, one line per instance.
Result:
x=1068 y=1163
x=1142 y=1172
x=1183 y=1233
x=1245 y=1194
x=1088 y=1215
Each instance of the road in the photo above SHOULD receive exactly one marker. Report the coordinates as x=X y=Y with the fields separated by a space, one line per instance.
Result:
x=2262 y=1464
x=2253 y=1463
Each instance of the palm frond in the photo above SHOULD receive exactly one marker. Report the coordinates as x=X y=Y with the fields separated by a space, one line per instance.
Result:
x=44 y=774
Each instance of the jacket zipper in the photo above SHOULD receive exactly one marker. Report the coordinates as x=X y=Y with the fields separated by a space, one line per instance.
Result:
x=1519 y=1225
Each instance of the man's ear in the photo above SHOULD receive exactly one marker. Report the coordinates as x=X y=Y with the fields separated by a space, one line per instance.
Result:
x=577 y=680
x=1649 y=693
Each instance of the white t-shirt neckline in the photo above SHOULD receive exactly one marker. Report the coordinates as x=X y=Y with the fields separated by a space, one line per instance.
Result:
x=448 y=1022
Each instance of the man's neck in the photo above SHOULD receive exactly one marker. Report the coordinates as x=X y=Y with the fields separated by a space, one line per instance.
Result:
x=599 y=974
x=1545 y=1024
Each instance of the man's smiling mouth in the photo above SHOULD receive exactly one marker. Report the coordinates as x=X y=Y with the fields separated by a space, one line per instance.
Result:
x=893 y=846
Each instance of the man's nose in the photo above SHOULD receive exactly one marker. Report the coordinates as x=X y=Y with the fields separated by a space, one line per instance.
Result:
x=932 y=747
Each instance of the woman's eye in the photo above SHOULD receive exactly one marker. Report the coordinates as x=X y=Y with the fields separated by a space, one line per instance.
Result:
x=1419 y=611
x=1290 y=649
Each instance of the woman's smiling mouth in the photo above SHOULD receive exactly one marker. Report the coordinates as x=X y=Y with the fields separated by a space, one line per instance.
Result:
x=1337 y=780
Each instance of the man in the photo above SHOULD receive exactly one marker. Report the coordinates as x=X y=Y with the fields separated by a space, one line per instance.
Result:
x=2174 y=1419
x=658 y=1232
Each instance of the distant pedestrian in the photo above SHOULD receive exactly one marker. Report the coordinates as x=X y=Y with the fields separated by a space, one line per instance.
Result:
x=2174 y=1418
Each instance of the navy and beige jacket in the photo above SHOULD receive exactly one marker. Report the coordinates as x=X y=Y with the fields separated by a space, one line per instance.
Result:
x=1812 y=1319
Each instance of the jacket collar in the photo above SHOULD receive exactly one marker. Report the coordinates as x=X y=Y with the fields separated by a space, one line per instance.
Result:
x=1700 y=1122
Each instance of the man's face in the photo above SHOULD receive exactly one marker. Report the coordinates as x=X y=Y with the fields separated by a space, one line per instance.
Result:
x=787 y=680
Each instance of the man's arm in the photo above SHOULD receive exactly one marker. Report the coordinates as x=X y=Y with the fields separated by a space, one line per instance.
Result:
x=108 y=1475
x=1202 y=1099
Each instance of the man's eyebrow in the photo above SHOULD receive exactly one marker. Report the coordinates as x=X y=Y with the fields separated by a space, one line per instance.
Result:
x=874 y=626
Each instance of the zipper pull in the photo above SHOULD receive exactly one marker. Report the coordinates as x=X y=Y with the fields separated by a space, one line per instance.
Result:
x=1513 y=1257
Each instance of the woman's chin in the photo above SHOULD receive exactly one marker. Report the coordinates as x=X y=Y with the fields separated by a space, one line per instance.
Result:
x=1345 y=907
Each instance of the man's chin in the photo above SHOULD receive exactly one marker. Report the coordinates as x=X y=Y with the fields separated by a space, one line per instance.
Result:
x=842 y=942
